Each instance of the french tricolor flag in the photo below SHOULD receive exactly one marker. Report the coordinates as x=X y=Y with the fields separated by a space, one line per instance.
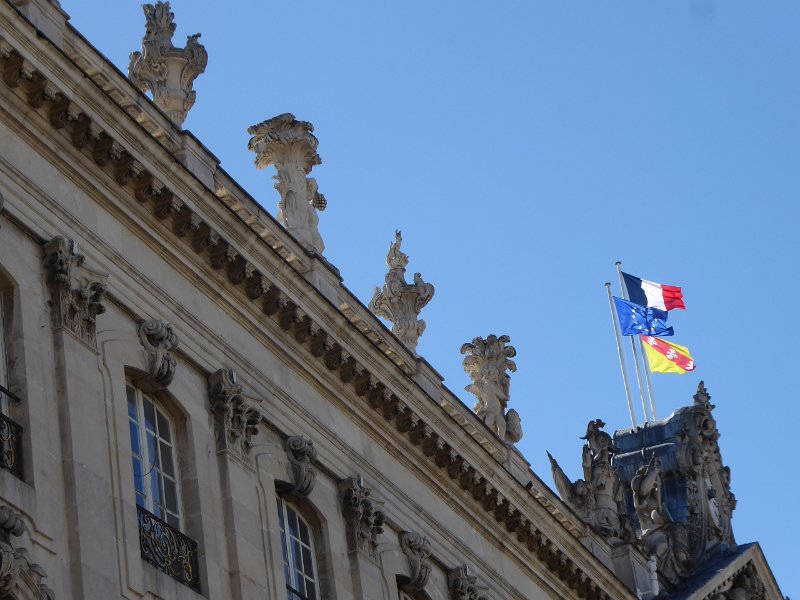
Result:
x=656 y=295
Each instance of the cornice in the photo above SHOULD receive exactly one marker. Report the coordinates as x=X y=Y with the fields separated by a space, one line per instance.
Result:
x=184 y=224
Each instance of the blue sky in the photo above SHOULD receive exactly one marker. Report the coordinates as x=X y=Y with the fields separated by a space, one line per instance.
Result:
x=524 y=147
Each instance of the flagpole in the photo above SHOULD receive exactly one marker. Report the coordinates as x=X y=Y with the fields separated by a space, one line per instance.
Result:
x=615 y=324
x=633 y=348
x=647 y=372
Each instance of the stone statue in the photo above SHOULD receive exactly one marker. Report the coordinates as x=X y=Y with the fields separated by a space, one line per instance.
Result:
x=161 y=68
x=667 y=541
x=597 y=499
x=400 y=302
x=486 y=362
x=290 y=145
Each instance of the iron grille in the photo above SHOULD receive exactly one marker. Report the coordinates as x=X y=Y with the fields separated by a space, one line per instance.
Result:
x=293 y=594
x=168 y=549
x=10 y=441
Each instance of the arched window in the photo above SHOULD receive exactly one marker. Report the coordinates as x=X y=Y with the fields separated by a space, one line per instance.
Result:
x=297 y=546
x=155 y=475
x=157 y=487
x=10 y=431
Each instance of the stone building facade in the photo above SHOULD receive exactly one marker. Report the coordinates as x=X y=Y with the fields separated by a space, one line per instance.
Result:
x=194 y=406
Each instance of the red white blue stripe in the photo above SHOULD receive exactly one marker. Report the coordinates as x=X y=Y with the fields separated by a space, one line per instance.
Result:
x=651 y=294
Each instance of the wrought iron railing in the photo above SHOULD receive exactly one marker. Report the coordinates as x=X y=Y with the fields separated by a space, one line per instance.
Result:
x=168 y=549
x=10 y=439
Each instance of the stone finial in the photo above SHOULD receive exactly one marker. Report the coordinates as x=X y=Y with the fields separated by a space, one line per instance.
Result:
x=301 y=454
x=486 y=362
x=76 y=297
x=417 y=550
x=235 y=422
x=400 y=302
x=290 y=145
x=160 y=341
x=364 y=515
x=161 y=68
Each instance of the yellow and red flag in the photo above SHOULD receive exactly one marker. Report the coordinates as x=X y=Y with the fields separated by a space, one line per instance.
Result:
x=666 y=357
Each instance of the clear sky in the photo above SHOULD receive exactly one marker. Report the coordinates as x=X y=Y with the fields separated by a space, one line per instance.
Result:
x=523 y=147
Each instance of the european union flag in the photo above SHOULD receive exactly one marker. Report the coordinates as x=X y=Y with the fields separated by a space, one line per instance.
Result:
x=635 y=319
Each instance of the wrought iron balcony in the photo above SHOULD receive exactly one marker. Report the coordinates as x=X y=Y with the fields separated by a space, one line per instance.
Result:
x=168 y=549
x=10 y=439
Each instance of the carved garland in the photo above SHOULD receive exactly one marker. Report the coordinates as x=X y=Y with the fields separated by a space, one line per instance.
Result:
x=75 y=297
x=17 y=73
x=235 y=422
x=364 y=515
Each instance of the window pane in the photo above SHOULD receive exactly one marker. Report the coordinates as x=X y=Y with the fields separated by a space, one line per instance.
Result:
x=311 y=591
x=152 y=453
x=304 y=533
x=149 y=414
x=292 y=516
x=308 y=566
x=163 y=427
x=166 y=460
x=141 y=500
x=138 y=478
x=131 y=393
x=173 y=520
x=170 y=496
x=135 y=448
x=297 y=556
x=155 y=489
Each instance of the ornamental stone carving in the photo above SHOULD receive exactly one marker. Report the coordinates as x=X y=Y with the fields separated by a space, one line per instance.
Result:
x=598 y=499
x=679 y=488
x=417 y=550
x=235 y=422
x=76 y=294
x=486 y=362
x=463 y=585
x=19 y=577
x=664 y=539
x=302 y=455
x=290 y=145
x=400 y=302
x=363 y=513
x=159 y=341
x=161 y=68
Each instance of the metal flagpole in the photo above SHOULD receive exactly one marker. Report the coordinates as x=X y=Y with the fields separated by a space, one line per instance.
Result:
x=615 y=324
x=633 y=348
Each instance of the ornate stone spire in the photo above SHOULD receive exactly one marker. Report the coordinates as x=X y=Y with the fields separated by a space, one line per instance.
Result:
x=400 y=302
x=486 y=362
x=288 y=144
x=161 y=68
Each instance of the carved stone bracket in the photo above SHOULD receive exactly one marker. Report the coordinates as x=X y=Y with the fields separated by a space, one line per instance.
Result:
x=235 y=422
x=161 y=68
x=417 y=550
x=160 y=341
x=301 y=454
x=486 y=362
x=19 y=577
x=76 y=296
x=364 y=515
x=400 y=302
x=463 y=585
x=288 y=144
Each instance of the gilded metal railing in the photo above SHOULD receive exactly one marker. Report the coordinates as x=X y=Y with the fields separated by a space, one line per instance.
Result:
x=168 y=549
x=10 y=439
